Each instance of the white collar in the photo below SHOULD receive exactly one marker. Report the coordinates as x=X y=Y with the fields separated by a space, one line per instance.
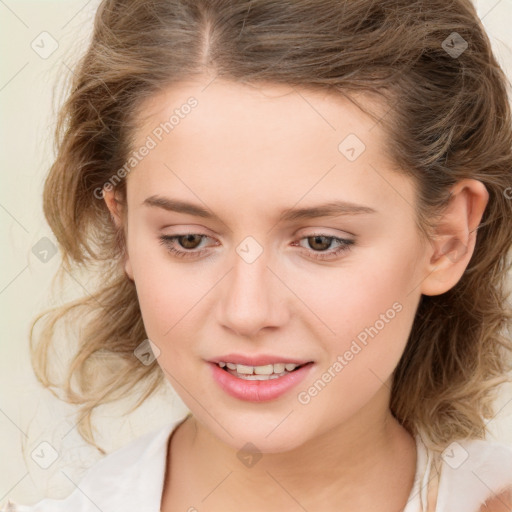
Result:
x=130 y=479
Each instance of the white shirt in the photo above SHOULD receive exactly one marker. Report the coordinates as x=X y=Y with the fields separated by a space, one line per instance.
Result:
x=131 y=478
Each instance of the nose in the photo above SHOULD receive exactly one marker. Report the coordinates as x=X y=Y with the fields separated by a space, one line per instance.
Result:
x=253 y=297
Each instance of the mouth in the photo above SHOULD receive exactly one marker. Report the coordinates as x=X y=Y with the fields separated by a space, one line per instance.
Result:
x=259 y=383
x=263 y=372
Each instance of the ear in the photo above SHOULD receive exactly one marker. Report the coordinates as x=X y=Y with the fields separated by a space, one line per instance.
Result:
x=118 y=217
x=454 y=240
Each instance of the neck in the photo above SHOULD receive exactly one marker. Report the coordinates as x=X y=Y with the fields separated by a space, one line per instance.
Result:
x=359 y=463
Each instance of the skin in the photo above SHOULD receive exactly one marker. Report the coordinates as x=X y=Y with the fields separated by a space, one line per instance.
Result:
x=247 y=153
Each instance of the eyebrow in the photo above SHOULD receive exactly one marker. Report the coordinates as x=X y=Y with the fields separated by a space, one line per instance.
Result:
x=329 y=209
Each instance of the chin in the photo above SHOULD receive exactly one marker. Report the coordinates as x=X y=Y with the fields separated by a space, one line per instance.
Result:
x=258 y=438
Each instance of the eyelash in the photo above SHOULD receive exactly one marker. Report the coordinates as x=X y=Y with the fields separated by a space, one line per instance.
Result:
x=345 y=245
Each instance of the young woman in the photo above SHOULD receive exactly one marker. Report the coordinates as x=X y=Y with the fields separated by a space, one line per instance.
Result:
x=301 y=211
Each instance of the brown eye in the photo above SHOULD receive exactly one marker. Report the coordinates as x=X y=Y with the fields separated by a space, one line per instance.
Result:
x=191 y=241
x=319 y=243
x=188 y=242
x=326 y=247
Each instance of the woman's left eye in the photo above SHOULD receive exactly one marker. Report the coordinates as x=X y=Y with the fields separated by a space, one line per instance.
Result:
x=190 y=239
x=322 y=240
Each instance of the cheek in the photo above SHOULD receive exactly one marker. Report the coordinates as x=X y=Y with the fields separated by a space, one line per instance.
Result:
x=165 y=309
x=372 y=328
x=370 y=305
x=165 y=289
x=372 y=283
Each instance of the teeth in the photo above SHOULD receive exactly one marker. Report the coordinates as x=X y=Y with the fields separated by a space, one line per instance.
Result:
x=277 y=369
x=240 y=368
x=268 y=369
x=260 y=377
x=280 y=367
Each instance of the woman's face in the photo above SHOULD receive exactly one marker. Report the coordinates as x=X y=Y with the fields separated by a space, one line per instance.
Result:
x=302 y=247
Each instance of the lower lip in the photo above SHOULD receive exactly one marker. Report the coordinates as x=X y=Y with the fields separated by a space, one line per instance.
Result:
x=258 y=390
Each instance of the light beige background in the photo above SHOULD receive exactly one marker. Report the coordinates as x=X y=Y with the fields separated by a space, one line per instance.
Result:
x=29 y=415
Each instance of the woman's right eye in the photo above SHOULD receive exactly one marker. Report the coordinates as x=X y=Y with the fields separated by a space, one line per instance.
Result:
x=168 y=242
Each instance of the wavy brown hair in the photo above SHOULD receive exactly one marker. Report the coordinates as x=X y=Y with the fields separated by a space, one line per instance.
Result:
x=447 y=119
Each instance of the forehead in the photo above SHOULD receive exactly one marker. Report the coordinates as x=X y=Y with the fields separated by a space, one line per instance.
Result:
x=271 y=111
x=274 y=143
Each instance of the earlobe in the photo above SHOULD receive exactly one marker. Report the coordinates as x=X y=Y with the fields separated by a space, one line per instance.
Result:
x=128 y=268
x=455 y=238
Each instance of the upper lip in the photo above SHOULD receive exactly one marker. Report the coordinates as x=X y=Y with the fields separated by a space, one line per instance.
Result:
x=259 y=360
